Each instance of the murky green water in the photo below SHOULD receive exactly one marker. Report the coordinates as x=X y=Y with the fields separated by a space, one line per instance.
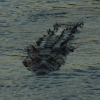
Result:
x=24 y=21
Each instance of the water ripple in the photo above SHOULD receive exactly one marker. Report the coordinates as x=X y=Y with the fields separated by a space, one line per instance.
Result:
x=22 y=23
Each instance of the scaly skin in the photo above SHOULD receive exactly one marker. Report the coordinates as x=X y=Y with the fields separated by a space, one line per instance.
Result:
x=48 y=53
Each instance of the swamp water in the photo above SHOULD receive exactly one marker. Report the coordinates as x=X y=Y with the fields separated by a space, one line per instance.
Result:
x=22 y=22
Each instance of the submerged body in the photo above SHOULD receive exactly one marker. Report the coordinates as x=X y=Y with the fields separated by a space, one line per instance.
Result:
x=48 y=53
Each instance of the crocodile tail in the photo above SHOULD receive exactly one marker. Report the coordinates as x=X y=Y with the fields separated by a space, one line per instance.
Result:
x=71 y=34
x=74 y=29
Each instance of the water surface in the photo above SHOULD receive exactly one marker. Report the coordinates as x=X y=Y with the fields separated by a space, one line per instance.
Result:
x=22 y=22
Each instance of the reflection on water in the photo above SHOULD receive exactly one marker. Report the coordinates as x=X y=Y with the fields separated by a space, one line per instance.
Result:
x=22 y=22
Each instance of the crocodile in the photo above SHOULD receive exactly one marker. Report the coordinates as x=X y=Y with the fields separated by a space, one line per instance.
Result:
x=48 y=53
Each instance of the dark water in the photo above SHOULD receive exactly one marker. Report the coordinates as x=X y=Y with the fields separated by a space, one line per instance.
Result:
x=24 y=21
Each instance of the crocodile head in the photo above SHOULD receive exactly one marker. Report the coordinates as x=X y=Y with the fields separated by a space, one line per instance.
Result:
x=42 y=65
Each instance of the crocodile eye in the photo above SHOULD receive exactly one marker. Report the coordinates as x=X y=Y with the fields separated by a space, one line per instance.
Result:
x=27 y=62
x=36 y=59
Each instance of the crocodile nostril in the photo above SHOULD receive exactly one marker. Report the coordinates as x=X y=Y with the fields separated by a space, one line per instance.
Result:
x=43 y=66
